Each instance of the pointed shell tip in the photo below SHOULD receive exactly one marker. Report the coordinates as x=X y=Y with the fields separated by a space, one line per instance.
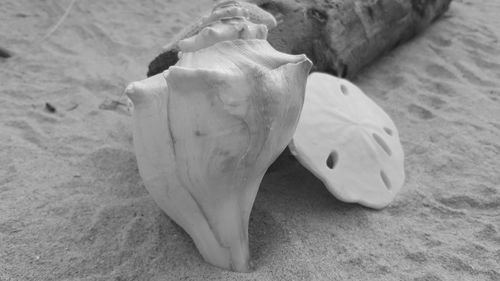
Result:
x=133 y=92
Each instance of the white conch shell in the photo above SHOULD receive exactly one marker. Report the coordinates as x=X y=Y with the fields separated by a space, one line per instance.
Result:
x=207 y=129
x=348 y=142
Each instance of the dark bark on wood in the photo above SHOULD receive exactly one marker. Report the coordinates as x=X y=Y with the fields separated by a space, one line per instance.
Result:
x=339 y=36
x=163 y=62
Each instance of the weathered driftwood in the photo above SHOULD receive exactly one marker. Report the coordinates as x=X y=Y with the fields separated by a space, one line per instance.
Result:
x=339 y=36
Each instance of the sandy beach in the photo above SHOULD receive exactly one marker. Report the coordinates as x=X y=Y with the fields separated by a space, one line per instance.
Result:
x=73 y=206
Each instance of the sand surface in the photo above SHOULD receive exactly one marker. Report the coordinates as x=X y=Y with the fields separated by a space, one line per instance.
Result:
x=73 y=207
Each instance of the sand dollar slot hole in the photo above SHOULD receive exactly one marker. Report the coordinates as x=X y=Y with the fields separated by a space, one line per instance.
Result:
x=344 y=90
x=385 y=179
x=382 y=144
x=332 y=159
x=388 y=131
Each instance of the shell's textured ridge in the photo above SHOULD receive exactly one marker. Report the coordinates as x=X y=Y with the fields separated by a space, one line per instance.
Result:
x=228 y=29
x=222 y=12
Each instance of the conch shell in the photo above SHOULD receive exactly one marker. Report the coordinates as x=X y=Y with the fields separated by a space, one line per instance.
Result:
x=349 y=142
x=207 y=129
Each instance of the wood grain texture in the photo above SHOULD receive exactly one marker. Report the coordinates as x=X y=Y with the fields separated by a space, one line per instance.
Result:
x=339 y=36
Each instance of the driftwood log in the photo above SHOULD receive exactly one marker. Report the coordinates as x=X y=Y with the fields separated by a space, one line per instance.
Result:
x=339 y=36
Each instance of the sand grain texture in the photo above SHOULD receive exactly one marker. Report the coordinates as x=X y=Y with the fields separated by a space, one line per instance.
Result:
x=73 y=207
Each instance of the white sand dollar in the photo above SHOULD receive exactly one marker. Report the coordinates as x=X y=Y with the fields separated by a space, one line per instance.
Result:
x=349 y=142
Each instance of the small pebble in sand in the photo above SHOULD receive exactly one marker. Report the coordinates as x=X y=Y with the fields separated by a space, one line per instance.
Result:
x=4 y=53
x=50 y=108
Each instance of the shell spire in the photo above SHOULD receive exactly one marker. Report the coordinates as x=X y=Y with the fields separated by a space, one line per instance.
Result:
x=224 y=10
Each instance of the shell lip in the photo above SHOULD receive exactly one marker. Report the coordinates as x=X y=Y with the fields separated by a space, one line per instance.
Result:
x=225 y=4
